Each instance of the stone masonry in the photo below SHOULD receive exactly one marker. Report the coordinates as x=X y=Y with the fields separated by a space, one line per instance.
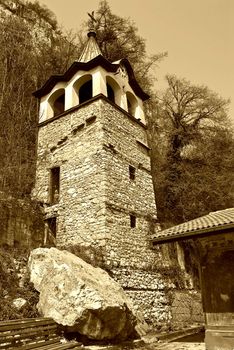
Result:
x=94 y=145
x=94 y=176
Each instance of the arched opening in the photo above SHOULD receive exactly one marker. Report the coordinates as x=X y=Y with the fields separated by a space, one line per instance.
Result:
x=113 y=90
x=132 y=103
x=57 y=102
x=110 y=93
x=86 y=91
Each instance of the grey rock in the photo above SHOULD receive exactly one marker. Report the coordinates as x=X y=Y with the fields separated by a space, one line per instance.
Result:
x=81 y=297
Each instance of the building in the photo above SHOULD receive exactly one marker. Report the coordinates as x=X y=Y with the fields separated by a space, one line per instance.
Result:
x=93 y=172
x=213 y=237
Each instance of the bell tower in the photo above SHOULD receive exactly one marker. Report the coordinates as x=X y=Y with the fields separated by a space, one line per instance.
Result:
x=93 y=169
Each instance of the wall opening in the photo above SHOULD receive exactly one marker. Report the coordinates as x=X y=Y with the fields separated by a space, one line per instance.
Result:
x=59 y=105
x=110 y=93
x=52 y=226
x=54 y=185
x=132 y=103
x=132 y=221
x=86 y=91
x=50 y=232
x=132 y=172
x=56 y=103
x=113 y=90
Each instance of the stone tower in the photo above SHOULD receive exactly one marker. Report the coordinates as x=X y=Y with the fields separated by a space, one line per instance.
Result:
x=93 y=169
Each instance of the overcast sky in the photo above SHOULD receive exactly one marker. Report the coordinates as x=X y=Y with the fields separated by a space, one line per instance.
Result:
x=197 y=34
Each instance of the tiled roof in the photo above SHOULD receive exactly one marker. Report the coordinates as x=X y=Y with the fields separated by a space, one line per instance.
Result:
x=214 y=221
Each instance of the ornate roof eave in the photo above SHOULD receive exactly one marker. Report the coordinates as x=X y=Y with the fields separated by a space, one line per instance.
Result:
x=72 y=70
x=86 y=66
x=132 y=80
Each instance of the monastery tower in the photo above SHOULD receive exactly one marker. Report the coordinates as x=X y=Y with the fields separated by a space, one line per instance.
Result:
x=93 y=168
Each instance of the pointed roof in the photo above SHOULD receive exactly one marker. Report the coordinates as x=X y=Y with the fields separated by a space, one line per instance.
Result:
x=91 y=49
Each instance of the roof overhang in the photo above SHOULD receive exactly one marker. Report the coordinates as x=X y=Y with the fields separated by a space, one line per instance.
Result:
x=87 y=66
x=197 y=234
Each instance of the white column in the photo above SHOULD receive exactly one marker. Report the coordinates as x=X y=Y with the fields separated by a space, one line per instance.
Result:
x=124 y=102
x=70 y=97
x=99 y=82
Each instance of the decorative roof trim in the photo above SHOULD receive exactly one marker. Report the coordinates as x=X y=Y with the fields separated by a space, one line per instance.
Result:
x=86 y=66
x=72 y=70
x=132 y=80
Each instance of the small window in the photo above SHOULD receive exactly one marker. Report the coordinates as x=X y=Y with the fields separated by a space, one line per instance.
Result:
x=52 y=227
x=132 y=172
x=132 y=221
x=54 y=185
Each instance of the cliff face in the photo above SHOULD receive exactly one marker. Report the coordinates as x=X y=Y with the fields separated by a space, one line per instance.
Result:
x=29 y=42
x=31 y=12
x=32 y=49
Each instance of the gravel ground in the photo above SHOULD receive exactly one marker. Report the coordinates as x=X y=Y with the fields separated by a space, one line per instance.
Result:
x=181 y=346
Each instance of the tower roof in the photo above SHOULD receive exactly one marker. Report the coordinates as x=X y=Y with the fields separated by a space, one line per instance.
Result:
x=91 y=49
x=90 y=58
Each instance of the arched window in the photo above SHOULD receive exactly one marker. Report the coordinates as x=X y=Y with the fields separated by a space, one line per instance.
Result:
x=110 y=93
x=82 y=89
x=132 y=103
x=57 y=102
x=113 y=90
x=86 y=91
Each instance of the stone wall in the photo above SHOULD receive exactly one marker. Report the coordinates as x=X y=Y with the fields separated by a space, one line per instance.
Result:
x=94 y=144
x=157 y=296
x=73 y=143
x=93 y=148
x=149 y=293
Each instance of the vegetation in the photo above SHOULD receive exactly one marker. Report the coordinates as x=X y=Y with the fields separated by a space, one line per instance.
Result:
x=189 y=129
x=14 y=283
x=192 y=145
x=188 y=124
x=118 y=38
x=28 y=30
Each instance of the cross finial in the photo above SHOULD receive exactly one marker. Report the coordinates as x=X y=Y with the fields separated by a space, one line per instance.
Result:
x=92 y=21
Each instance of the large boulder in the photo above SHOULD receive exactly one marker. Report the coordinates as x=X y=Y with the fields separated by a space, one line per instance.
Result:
x=81 y=297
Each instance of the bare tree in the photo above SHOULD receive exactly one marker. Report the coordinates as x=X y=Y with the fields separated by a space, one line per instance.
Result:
x=191 y=133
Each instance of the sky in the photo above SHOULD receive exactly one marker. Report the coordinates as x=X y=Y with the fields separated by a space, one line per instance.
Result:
x=197 y=34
